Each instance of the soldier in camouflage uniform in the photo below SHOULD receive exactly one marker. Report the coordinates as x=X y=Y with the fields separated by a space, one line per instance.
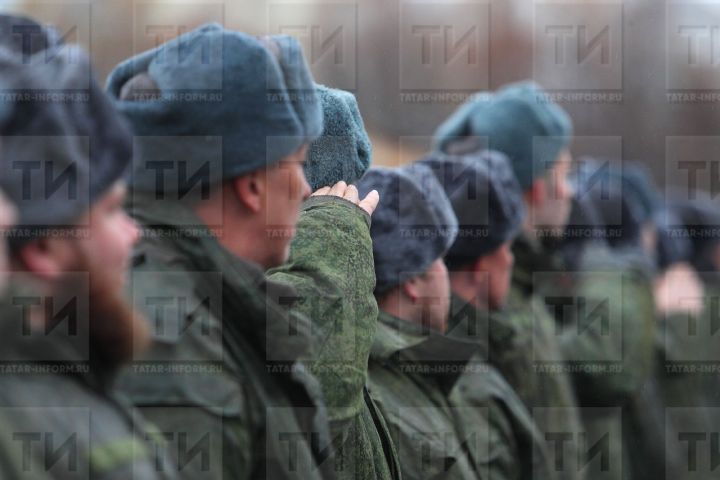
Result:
x=686 y=379
x=624 y=211
x=63 y=163
x=413 y=366
x=534 y=134
x=333 y=297
x=622 y=357
x=253 y=391
x=487 y=200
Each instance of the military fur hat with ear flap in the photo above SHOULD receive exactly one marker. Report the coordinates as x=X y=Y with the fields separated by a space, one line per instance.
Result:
x=486 y=198
x=218 y=99
x=343 y=151
x=413 y=225
x=26 y=37
x=62 y=144
x=671 y=247
x=518 y=121
x=622 y=197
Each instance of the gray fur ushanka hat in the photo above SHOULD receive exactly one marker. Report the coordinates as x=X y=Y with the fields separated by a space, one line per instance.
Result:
x=413 y=225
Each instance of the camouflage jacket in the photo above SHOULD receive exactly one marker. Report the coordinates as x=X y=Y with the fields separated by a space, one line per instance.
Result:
x=331 y=269
x=59 y=416
x=534 y=365
x=518 y=450
x=604 y=316
x=412 y=373
x=223 y=378
x=685 y=388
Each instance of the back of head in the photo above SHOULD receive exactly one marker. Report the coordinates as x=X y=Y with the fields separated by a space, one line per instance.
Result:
x=413 y=225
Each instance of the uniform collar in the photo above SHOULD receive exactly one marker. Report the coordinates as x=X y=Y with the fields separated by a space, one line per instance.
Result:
x=476 y=325
x=267 y=324
x=420 y=350
x=532 y=256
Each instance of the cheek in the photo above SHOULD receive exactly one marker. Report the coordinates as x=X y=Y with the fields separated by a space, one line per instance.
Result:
x=110 y=243
x=301 y=188
x=292 y=181
x=566 y=190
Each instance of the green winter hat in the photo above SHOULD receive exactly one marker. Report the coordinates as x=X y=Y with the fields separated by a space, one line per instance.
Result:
x=343 y=152
x=226 y=102
x=518 y=121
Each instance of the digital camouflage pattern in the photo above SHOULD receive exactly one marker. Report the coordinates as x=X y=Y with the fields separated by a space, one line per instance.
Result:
x=331 y=269
x=243 y=385
x=518 y=448
x=60 y=418
x=412 y=373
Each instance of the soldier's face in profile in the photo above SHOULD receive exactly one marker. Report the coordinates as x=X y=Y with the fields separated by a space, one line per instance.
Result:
x=551 y=207
x=115 y=328
x=111 y=235
x=287 y=188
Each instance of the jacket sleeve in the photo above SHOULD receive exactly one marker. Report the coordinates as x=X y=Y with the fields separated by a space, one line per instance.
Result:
x=331 y=269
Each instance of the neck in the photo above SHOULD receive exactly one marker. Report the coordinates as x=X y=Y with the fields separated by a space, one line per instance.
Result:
x=396 y=304
x=239 y=234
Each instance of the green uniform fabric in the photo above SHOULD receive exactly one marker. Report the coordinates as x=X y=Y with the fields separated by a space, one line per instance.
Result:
x=12 y=464
x=533 y=361
x=609 y=348
x=331 y=269
x=686 y=384
x=518 y=449
x=60 y=418
x=412 y=374
x=224 y=363
x=674 y=402
x=629 y=353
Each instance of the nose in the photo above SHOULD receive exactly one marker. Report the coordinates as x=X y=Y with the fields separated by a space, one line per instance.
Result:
x=305 y=188
x=132 y=229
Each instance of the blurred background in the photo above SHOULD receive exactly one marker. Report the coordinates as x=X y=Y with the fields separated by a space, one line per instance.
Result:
x=640 y=78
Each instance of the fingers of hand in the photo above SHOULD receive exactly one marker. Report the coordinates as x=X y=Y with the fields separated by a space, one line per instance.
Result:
x=370 y=202
x=338 y=189
x=321 y=191
x=351 y=194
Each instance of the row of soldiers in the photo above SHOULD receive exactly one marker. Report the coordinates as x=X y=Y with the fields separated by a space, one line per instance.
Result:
x=224 y=288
